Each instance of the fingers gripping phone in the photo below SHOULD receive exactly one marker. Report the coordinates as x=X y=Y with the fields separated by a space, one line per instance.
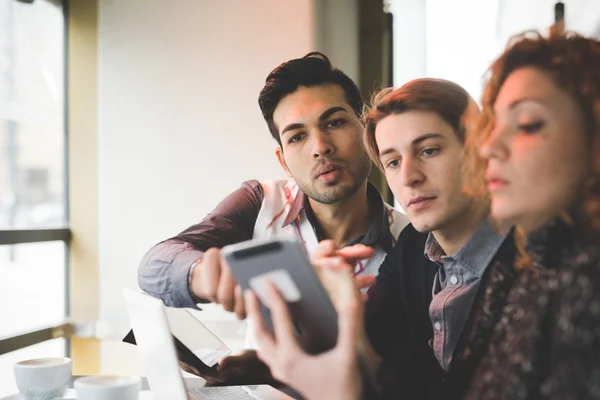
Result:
x=286 y=265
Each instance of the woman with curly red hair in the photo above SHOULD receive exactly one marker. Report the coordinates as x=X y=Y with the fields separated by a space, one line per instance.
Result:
x=540 y=143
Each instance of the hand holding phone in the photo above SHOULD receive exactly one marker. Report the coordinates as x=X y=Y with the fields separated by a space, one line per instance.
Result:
x=286 y=265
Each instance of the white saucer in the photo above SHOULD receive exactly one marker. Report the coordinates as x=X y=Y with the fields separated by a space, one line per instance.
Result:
x=71 y=395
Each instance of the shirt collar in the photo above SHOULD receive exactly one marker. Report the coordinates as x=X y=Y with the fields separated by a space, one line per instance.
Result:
x=433 y=251
x=476 y=254
x=378 y=232
x=296 y=209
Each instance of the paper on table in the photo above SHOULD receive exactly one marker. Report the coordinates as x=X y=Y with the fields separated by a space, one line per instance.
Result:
x=195 y=336
x=211 y=357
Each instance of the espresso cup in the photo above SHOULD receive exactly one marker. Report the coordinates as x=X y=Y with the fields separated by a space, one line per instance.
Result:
x=108 y=387
x=43 y=378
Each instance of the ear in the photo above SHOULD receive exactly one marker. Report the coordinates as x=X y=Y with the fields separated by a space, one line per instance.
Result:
x=281 y=158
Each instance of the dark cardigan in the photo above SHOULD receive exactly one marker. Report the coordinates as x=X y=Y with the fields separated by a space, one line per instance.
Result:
x=399 y=327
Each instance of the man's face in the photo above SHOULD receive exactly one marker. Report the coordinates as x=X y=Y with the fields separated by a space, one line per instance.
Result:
x=321 y=143
x=421 y=156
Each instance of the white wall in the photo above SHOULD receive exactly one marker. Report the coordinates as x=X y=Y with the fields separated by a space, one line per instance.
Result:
x=179 y=123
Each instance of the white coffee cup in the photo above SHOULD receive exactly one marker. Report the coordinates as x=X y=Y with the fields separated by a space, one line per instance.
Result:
x=108 y=387
x=43 y=378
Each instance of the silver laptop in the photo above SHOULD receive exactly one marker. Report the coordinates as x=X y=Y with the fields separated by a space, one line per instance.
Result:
x=159 y=358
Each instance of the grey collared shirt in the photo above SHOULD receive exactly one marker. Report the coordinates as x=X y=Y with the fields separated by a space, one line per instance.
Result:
x=455 y=286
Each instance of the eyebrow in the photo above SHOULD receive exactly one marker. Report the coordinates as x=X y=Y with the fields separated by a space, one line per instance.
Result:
x=326 y=114
x=516 y=103
x=386 y=151
x=414 y=143
x=426 y=136
x=331 y=111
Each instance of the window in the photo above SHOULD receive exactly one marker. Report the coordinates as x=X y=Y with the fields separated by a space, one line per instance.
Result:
x=33 y=284
x=458 y=40
x=32 y=127
x=34 y=234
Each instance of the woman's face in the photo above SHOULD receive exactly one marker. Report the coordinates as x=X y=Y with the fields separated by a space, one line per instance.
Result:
x=537 y=151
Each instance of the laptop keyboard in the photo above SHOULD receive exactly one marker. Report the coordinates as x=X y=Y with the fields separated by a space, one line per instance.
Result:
x=222 y=393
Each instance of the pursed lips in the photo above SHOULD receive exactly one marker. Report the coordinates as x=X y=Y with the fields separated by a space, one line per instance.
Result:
x=327 y=168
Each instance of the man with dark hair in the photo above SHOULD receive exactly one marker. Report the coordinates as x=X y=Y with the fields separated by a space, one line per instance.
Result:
x=289 y=76
x=312 y=111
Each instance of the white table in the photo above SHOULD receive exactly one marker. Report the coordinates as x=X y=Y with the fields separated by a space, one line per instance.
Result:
x=145 y=394
x=71 y=395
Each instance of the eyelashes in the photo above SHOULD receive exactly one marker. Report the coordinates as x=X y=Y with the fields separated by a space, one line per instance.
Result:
x=532 y=128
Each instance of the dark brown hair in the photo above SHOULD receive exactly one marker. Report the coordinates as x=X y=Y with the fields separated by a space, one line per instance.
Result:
x=314 y=69
x=444 y=98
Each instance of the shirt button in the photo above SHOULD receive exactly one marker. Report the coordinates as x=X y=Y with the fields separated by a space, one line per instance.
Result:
x=437 y=326
x=453 y=280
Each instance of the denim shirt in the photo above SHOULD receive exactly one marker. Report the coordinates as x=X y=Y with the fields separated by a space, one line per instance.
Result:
x=455 y=286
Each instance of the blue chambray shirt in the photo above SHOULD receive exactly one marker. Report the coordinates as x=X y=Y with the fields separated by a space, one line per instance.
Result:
x=455 y=286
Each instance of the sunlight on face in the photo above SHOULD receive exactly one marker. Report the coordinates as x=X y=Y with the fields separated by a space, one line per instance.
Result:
x=536 y=153
x=322 y=146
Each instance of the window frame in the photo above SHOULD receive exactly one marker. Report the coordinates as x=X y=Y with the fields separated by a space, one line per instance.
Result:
x=63 y=233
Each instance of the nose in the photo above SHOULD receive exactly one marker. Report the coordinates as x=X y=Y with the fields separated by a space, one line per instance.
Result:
x=494 y=146
x=411 y=173
x=322 y=145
